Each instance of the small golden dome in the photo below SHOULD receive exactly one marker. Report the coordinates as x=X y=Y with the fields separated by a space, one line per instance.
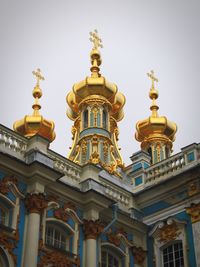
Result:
x=34 y=124
x=155 y=128
x=95 y=86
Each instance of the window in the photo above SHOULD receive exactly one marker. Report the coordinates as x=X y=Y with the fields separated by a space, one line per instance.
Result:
x=173 y=255
x=138 y=180
x=85 y=119
x=55 y=237
x=108 y=259
x=104 y=119
x=3 y=259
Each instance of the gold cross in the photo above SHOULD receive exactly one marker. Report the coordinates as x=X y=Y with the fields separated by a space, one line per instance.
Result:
x=38 y=76
x=152 y=77
x=95 y=39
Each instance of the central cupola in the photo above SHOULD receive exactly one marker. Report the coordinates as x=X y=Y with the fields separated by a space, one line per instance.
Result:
x=95 y=106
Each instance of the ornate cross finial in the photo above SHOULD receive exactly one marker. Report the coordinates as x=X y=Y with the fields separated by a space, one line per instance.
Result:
x=152 y=77
x=38 y=76
x=95 y=39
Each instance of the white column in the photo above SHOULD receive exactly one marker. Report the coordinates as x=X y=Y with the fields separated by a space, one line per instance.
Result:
x=32 y=238
x=91 y=248
x=35 y=204
x=75 y=243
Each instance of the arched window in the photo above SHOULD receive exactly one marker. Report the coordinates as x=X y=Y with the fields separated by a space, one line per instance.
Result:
x=3 y=259
x=109 y=259
x=173 y=255
x=55 y=237
x=104 y=119
x=85 y=119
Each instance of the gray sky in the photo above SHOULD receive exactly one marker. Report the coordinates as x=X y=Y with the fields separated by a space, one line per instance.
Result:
x=137 y=36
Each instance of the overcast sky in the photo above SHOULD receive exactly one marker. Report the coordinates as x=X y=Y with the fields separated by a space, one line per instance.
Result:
x=137 y=36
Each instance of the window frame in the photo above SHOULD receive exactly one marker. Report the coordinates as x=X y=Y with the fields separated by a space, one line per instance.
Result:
x=172 y=244
x=113 y=254
x=63 y=233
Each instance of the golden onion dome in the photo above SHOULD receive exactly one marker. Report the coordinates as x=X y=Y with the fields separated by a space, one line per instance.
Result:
x=155 y=127
x=34 y=124
x=95 y=86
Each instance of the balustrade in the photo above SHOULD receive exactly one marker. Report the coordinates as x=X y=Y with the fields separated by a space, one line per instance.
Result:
x=12 y=143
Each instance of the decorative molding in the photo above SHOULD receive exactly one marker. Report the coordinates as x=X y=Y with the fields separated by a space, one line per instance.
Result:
x=62 y=212
x=56 y=258
x=139 y=255
x=9 y=242
x=194 y=212
x=92 y=228
x=193 y=188
x=167 y=230
x=35 y=203
x=5 y=183
x=115 y=237
x=168 y=233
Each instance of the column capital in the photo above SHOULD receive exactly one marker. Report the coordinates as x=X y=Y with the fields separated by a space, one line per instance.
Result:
x=92 y=228
x=35 y=202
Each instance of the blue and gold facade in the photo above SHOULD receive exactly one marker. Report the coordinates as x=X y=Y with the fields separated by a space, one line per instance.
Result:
x=89 y=210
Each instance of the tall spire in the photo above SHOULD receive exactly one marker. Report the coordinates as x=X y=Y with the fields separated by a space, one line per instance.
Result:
x=156 y=133
x=34 y=124
x=96 y=106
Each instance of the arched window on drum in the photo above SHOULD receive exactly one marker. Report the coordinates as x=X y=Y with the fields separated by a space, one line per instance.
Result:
x=104 y=119
x=85 y=119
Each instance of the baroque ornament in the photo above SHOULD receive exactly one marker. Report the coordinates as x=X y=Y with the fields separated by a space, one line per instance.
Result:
x=61 y=213
x=114 y=237
x=194 y=212
x=57 y=259
x=168 y=232
x=5 y=182
x=9 y=242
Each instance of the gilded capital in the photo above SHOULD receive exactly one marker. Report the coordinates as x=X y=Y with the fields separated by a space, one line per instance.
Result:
x=35 y=203
x=92 y=229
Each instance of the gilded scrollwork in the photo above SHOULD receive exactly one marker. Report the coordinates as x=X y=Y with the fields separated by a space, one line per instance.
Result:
x=169 y=231
x=57 y=259
x=5 y=182
x=114 y=237
x=194 y=212
x=9 y=241
x=62 y=214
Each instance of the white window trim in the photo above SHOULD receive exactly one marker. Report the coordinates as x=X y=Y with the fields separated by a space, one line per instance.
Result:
x=158 y=246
